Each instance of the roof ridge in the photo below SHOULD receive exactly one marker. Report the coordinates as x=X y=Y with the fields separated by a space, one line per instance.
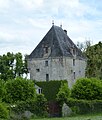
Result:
x=59 y=41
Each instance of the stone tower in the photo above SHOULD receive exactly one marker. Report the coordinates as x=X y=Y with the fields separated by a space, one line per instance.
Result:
x=56 y=57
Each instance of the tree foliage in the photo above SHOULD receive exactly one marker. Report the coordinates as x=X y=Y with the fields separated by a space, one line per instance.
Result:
x=94 y=61
x=37 y=106
x=19 y=90
x=3 y=111
x=63 y=94
x=2 y=89
x=89 y=89
x=12 y=65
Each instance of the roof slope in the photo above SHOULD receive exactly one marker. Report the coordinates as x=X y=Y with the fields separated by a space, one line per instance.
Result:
x=59 y=43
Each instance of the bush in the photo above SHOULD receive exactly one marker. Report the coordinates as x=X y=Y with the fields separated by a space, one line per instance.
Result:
x=3 y=111
x=63 y=94
x=85 y=106
x=89 y=89
x=41 y=105
x=19 y=89
x=38 y=106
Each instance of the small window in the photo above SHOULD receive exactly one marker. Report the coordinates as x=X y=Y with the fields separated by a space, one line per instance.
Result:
x=37 y=70
x=46 y=63
x=46 y=49
x=47 y=77
x=74 y=51
x=74 y=75
x=73 y=62
x=39 y=91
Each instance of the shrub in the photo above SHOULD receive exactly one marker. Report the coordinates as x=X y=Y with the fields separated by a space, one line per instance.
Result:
x=63 y=94
x=19 y=89
x=85 y=106
x=38 y=106
x=41 y=105
x=89 y=89
x=3 y=111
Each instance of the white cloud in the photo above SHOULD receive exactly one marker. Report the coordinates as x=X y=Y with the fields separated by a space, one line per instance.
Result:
x=6 y=36
x=4 y=4
x=26 y=22
x=30 y=4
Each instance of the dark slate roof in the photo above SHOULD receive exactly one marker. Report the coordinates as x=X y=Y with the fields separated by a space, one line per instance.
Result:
x=58 y=41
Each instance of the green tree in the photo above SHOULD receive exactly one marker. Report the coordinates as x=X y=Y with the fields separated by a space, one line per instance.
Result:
x=3 y=111
x=41 y=103
x=94 y=61
x=19 y=90
x=12 y=65
x=63 y=94
x=2 y=89
x=89 y=89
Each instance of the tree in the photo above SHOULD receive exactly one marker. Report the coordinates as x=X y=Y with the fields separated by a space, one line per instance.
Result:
x=2 y=89
x=4 y=113
x=63 y=94
x=12 y=65
x=41 y=103
x=19 y=90
x=94 y=61
x=84 y=45
x=89 y=89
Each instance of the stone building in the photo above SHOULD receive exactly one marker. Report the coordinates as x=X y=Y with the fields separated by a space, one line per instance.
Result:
x=56 y=57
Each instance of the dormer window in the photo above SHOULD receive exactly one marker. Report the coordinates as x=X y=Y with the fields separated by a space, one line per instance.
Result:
x=46 y=49
x=74 y=51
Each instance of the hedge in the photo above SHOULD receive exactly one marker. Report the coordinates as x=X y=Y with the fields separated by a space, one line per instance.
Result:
x=85 y=106
x=50 y=88
x=37 y=107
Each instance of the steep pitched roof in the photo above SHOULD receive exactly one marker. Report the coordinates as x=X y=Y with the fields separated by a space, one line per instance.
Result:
x=60 y=44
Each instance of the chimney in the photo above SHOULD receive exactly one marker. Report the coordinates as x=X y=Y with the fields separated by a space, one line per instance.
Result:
x=65 y=31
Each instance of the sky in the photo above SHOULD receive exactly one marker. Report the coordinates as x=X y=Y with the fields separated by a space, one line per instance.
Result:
x=23 y=23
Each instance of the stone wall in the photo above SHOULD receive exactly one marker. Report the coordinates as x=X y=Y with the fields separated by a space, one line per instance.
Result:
x=60 y=68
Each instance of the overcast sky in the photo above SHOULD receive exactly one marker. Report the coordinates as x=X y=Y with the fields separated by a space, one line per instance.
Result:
x=23 y=23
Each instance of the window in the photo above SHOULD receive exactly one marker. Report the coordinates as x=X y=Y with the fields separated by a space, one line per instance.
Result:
x=74 y=51
x=47 y=77
x=73 y=62
x=40 y=91
x=74 y=75
x=46 y=49
x=46 y=63
x=37 y=70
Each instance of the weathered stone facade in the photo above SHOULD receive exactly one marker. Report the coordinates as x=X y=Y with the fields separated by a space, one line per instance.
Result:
x=55 y=62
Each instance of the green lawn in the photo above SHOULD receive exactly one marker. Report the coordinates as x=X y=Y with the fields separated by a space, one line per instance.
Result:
x=81 y=117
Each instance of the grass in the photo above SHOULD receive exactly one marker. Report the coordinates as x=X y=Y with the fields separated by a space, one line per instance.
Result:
x=79 y=117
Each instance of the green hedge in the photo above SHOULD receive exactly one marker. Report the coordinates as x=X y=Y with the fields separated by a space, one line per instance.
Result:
x=85 y=106
x=37 y=107
x=51 y=88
